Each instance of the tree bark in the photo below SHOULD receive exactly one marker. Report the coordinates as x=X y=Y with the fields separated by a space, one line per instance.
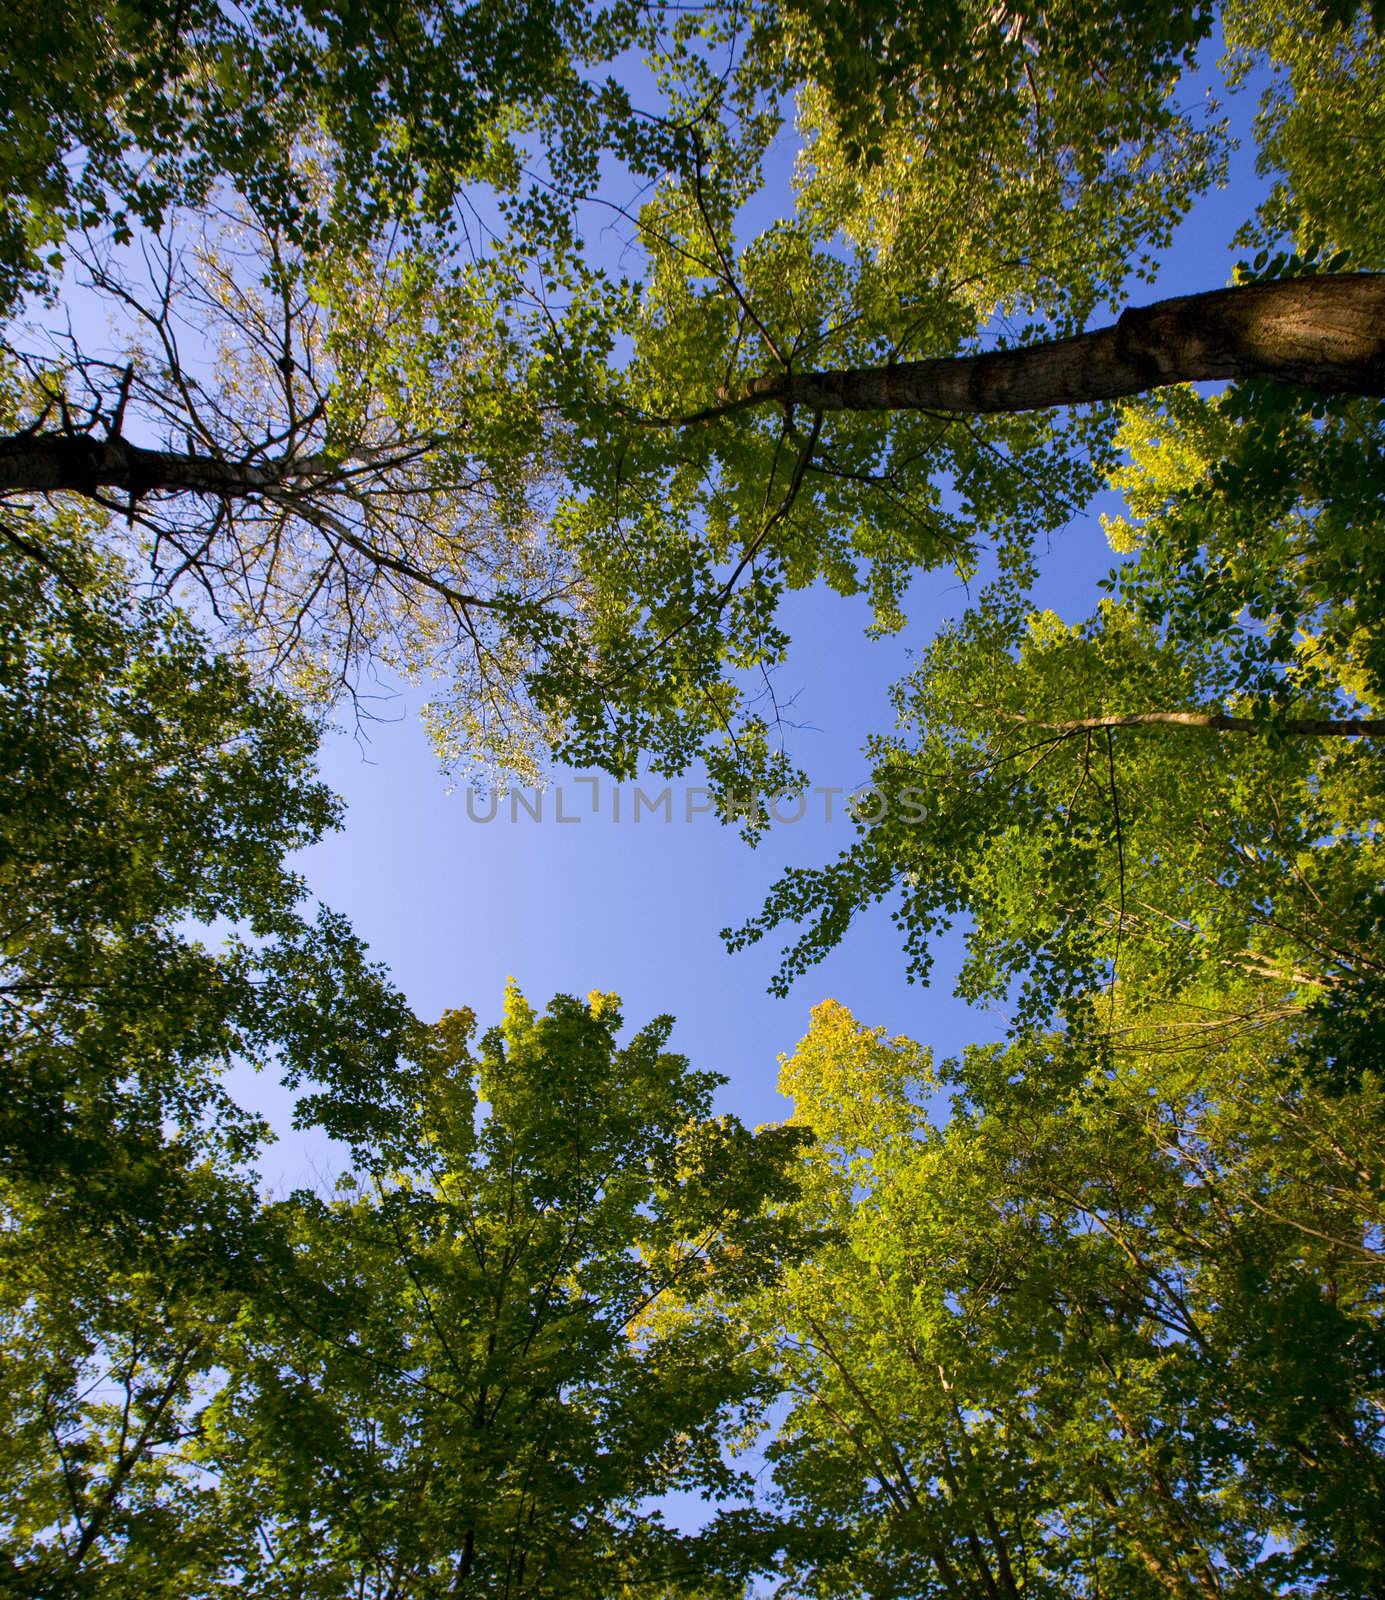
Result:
x=45 y=463
x=1310 y=727
x=1324 y=333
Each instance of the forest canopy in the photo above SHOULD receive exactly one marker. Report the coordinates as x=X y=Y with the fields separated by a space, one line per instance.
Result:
x=541 y=356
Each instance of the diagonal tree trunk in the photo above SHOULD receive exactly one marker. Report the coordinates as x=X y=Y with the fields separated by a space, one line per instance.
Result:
x=1222 y=722
x=1324 y=333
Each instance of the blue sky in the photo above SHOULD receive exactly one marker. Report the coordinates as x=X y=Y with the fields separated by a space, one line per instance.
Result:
x=454 y=906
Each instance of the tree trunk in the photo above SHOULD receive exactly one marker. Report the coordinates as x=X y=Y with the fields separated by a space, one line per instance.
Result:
x=1323 y=333
x=43 y=463
x=1311 y=727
